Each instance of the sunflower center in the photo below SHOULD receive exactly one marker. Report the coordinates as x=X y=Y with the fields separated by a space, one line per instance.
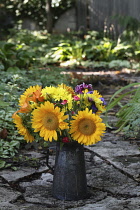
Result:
x=50 y=121
x=87 y=127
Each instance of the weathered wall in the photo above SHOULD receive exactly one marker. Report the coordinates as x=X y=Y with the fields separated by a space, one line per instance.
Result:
x=93 y=15
x=98 y=13
x=66 y=22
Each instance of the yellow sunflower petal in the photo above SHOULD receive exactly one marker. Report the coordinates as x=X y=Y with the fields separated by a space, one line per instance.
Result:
x=86 y=127
x=49 y=122
x=22 y=129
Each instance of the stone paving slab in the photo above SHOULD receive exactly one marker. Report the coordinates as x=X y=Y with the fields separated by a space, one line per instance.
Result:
x=42 y=195
x=14 y=176
x=44 y=180
x=39 y=191
x=103 y=176
x=2 y=183
x=34 y=154
x=110 y=167
x=109 y=149
x=102 y=179
x=18 y=206
x=8 y=206
x=8 y=194
x=121 y=154
x=111 y=203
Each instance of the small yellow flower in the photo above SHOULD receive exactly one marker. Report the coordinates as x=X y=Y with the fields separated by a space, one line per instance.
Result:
x=68 y=89
x=57 y=94
x=100 y=108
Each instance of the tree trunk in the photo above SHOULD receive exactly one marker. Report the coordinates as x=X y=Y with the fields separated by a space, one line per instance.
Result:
x=49 y=16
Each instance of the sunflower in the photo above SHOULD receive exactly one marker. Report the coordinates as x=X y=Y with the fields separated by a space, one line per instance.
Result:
x=29 y=91
x=86 y=127
x=32 y=94
x=48 y=119
x=22 y=129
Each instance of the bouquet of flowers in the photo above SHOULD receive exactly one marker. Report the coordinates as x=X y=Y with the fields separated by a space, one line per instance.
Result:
x=61 y=114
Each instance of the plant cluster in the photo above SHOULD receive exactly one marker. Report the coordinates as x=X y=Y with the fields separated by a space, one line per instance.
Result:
x=129 y=116
x=26 y=49
x=129 y=113
x=61 y=114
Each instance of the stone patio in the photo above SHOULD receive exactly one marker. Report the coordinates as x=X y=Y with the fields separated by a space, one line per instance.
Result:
x=113 y=179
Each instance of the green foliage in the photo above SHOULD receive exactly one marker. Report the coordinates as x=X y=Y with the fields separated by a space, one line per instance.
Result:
x=26 y=49
x=35 y=10
x=8 y=148
x=13 y=57
x=115 y=64
x=93 y=49
x=130 y=25
x=66 y=51
x=9 y=138
x=128 y=114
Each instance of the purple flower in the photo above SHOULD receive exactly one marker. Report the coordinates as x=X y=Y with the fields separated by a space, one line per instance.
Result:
x=90 y=92
x=94 y=108
x=81 y=87
x=90 y=99
x=103 y=100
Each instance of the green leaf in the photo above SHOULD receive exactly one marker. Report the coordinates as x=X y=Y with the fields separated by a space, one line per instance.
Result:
x=1 y=66
x=2 y=103
x=8 y=165
x=115 y=102
x=2 y=163
x=13 y=69
x=14 y=143
x=14 y=168
x=122 y=89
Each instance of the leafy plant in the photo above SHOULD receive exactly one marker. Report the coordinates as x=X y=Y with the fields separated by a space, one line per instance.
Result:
x=115 y=64
x=8 y=149
x=128 y=114
x=130 y=25
x=13 y=57
x=26 y=49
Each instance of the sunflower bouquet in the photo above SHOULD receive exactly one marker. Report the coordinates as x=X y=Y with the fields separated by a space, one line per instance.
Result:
x=61 y=114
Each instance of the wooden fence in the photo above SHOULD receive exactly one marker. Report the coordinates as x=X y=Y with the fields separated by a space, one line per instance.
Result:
x=97 y=14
